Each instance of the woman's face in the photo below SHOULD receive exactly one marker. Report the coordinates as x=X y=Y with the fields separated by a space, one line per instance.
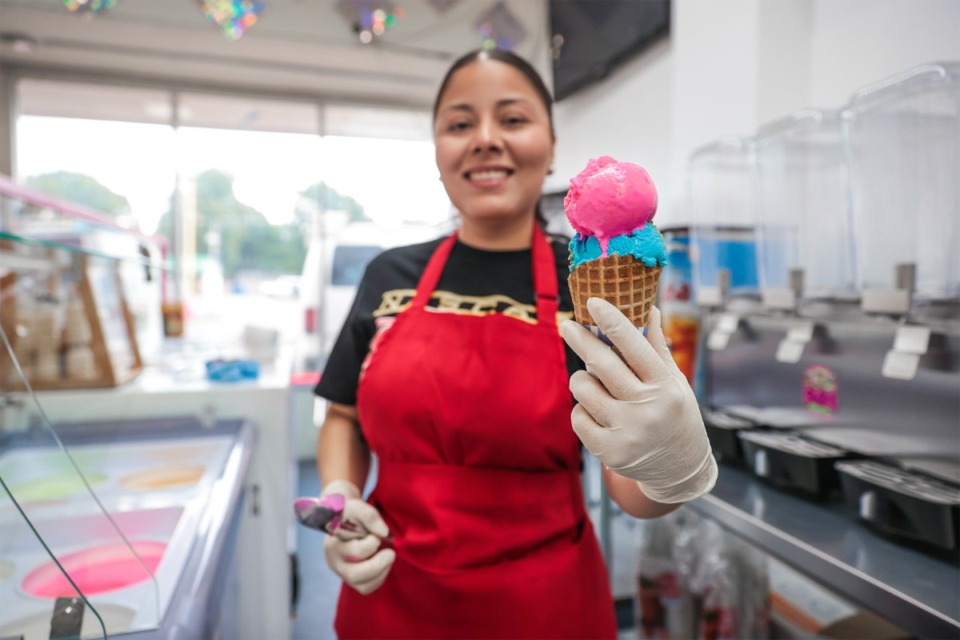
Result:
x=493 y=141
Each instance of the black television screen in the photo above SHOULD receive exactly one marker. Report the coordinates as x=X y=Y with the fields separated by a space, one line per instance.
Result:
x=591 y=37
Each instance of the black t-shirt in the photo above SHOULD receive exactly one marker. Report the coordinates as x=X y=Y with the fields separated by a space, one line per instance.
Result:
x=472 y=280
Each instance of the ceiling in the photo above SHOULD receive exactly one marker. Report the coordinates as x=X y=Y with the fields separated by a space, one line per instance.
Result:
x=297 y=48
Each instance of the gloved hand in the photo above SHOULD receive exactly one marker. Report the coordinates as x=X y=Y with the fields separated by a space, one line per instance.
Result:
x=636 y=412
x=353 y=547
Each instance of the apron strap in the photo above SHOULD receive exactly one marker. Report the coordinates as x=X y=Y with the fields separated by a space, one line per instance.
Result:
x=544 y=276
x=431 y=275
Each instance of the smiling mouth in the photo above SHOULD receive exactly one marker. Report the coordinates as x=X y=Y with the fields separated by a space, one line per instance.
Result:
x=488 y=175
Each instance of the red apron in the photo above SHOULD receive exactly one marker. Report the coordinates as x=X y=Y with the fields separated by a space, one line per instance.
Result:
x=479 y=477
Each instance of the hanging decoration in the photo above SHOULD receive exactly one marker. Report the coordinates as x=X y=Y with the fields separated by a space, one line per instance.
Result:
x=233 y=17
x=89 y=7
x=499 y=29
x=370 y=18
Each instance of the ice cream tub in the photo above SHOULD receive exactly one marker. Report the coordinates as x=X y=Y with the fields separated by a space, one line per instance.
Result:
x=128 y=581
x=43 y=480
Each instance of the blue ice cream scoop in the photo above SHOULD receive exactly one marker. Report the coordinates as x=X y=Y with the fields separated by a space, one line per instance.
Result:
x=644 y=244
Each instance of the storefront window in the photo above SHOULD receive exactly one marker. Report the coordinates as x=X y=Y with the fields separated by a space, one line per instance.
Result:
x=240 y=187
x=101 y=164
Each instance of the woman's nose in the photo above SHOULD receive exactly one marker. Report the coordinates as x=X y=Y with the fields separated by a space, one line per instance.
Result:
x=488 y=137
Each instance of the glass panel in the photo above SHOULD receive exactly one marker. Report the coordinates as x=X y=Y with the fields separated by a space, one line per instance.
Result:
x=804 y=212
x=245 y=204
x=395 y=181
x=57 y=541
x=102 y=165
x=250 y=186
x=903 y=151
x=64 y=324
x=722 y=197
x=392 y=196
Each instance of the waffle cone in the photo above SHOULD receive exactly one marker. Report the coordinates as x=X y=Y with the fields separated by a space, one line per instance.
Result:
x=623 y=281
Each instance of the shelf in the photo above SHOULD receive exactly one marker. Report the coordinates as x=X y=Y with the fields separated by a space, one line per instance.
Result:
x=55 y=223
x=918 y=592
x=14 y=261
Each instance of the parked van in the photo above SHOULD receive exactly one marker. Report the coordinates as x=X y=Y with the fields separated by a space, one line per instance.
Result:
x=334 y=265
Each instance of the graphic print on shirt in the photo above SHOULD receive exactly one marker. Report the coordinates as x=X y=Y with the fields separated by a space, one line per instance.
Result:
x=382 y=324
x=397 y=300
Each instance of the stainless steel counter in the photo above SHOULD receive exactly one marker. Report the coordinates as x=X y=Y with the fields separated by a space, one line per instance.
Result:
x=914 y=590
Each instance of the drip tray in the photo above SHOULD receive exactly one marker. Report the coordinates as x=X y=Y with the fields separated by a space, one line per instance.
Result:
x=947 y=469
x=903 y=503
x=791 y=462
x=779 y=417
x=871 y=442
x=722 y=429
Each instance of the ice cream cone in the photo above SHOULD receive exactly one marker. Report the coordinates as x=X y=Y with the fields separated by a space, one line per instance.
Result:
x=624 y=281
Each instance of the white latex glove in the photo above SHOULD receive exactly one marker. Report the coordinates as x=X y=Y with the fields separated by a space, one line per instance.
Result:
x=353 y=549
x=636 y=412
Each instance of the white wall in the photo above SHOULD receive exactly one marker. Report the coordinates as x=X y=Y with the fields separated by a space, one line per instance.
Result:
x=627 y=117
x=892 y=36
x=730 y=66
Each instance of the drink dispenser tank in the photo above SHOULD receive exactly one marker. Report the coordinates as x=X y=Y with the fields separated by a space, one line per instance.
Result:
x=902 y=144
x=721 y=196
x=803 y=210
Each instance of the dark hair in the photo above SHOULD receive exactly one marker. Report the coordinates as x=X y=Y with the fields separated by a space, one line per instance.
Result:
x=518 y=63
x=506 y=57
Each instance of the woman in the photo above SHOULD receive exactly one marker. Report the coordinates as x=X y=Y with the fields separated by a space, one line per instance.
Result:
x=451 y=368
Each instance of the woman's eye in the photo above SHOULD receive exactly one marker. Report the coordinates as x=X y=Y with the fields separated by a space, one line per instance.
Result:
x=514 y=120
x=458 y=126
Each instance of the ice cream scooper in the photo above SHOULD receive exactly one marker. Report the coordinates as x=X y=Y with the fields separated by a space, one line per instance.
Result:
x=326 y=514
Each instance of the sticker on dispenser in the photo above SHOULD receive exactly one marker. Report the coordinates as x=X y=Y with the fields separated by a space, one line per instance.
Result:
x=820 y=389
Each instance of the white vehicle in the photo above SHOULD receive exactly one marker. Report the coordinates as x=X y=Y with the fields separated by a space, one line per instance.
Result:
x=334 y=265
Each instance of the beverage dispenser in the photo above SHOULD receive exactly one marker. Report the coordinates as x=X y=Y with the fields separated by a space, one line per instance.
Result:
x=805 y=235
x=721 y=196
x=902 y=143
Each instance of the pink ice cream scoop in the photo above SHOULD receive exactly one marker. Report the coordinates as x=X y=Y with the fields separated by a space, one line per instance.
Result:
x=610 y=198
